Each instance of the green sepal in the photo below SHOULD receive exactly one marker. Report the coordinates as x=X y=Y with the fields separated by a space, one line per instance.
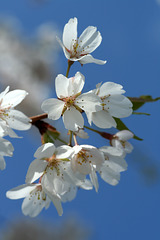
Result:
x=47 y=138
x=121 y=126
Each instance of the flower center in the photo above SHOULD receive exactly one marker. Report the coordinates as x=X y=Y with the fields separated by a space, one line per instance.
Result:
x=38 y=193
x=83 y=157
x=3 y=111
x=76 y=52
x=70 y=101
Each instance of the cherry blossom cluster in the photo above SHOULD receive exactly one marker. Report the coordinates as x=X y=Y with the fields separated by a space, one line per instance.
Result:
x=58 y=172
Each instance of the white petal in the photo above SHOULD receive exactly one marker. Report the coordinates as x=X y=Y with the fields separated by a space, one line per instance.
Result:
x=117 y=144
x=70 y=33
x=63 y=152
x=62 y=86
x=82 y=134
x=66 y=51
x=89 y=117
x=18 y=120
x=11 y=133
x=103 y=119
x=2 y=94
x=109 y=176
x=111 y=151
x=36 y=170
x=89 y=59
x=45 y=151
x=124 y=135
x=60 y=42
x=48 y=189
x=81 y=166
x=21 y=191
x=89 y=40
x=89 y=102
x=118 y=164
x=87 y=185
x=2 y=163
x=128 y=147
x=33 y=204
x=53 y=107
x=94 y=180
x=69 y=176
x=57 y=203
x=110 y=88
x=6 y=148
x=94 y=156
x=113 y=160
x=73 y=119
x=119 y=106
x=76 y=84
x=70 y=194
x=13 y=98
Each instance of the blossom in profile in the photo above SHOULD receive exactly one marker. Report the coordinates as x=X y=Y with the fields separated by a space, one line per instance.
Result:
x=9 y=117
x=120 y=141
x=79 y=49
x=6 y=149
x=114 y=164
x=71 y=103
x=113 y=103
x=34 y=201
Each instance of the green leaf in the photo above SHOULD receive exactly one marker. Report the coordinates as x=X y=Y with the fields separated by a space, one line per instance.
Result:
x=122 y=126
x=141 y=113
x=140 y=101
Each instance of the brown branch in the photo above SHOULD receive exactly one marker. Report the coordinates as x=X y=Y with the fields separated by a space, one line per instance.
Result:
x=38 y=117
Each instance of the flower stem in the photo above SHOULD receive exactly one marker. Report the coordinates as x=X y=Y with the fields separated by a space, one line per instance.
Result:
x=94 y=130
x=69 y=66
x=75 y=140
x=103 y=134
x=70 y=138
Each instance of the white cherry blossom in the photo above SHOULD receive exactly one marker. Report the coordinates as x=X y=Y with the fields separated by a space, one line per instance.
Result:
x=114 y=164
x=114 y=104
x=34 y=201
x=79 y=49
x=71 y=102
x=9 y=117
x=86 y=160
x=119 y=141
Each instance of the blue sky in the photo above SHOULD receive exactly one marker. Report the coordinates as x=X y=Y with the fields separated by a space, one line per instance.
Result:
x=131 y=45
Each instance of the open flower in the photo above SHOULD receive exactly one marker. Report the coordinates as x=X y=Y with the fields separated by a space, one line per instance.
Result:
x=71 y=102
x=113 y=103
x=79 y=49
x=9 y=117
